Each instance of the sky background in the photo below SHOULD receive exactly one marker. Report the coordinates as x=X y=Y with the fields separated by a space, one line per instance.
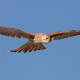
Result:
x=61 y=59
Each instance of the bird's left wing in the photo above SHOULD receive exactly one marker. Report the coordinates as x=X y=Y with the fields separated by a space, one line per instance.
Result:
x=15 y=32
x=64 y=34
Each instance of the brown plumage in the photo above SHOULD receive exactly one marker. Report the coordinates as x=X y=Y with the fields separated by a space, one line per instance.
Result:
x=29 y=46
x=64 y=34
x=35 y=41
x=16 y=32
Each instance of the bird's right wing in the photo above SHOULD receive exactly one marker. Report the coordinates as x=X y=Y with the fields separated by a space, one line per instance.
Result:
x=15 y=32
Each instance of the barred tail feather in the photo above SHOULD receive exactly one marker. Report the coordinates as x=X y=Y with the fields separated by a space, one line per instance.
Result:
x=29 y=47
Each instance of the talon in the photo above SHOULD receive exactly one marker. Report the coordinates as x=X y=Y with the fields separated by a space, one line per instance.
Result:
x=34 y=46
x=30 y=45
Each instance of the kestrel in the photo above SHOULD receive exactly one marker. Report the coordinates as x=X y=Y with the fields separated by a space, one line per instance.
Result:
x=35 y=41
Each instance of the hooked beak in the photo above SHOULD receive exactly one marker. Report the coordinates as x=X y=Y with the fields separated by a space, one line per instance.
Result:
x=47 y=40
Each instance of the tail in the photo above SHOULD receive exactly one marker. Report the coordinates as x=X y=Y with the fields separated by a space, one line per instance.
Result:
x=29 y=47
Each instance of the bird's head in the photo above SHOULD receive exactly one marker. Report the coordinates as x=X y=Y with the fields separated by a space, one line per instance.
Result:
x=45 y=38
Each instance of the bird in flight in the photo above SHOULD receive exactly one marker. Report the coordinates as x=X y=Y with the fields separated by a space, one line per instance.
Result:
x=35 y=41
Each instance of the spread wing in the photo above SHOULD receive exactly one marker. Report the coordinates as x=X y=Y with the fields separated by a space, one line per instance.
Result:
x=64 y=34
x=15 y=32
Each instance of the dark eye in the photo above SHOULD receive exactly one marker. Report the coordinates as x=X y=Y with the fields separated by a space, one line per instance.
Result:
x=46 y=38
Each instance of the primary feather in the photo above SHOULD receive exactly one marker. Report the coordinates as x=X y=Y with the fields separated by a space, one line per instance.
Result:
x=64 y=34
x=15 y=32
